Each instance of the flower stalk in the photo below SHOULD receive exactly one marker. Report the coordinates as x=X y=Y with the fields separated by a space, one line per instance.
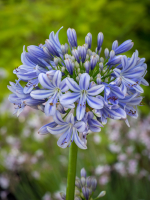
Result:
x=71 y=171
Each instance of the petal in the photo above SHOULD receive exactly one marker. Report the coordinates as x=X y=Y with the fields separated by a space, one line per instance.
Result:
x=57 y=78
x=30 y=85
x=45 y=82
x=72 y=85
x=124 y=62
x=69 y=98
x=80 y=126
x=58 y=130
x=32 y=102
x=134 y=73
x=94 y=129
x=77 y=140
x=95 y=90
x=65 y=138
x=43 y=130
x=131 y=111
x=116 y=113
x=41 y=94
x=58 y=119
x=27 y=76
x=50 y=106
x=70 y=118
x=80 y=112
x=94 y=122
x=132 y=85
x=69 y=105
x=63 y=86
x=117 y=91
x=123 y=88
x=84 y=81
x=94 y=102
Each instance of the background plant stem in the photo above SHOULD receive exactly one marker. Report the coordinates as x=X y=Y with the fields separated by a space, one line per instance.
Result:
x=71 y=171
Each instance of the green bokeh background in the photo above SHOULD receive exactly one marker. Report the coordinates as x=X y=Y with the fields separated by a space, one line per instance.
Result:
x=27 y=22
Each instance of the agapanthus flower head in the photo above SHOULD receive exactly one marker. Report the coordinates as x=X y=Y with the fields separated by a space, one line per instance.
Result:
x=78 y=87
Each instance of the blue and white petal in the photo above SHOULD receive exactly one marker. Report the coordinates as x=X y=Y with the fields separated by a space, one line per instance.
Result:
x=94 y=102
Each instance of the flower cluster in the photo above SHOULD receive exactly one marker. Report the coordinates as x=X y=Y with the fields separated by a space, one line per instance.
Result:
x=85 y=187
x=79 y=90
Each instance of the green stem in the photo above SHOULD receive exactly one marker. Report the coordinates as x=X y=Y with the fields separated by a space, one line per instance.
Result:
x=71 y=171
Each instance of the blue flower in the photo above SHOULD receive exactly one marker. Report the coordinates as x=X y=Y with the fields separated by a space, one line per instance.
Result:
x=56 y=80
x=130 y=71
x=109 y=111
x=92 y=125
x=112 y=93
x=20 y=99
x=69 y=130
x=125 y=46
x=53 y=90
x=83 y=94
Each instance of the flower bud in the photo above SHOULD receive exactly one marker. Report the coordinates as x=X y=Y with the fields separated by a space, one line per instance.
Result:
x=88 y=40
x=78 y=183
x=115 y=45
x=106 y=52
x=83 y=53
x=45 y=49
x=87 y=56
x=86 y=192
x=76 y=55
x=114 y=61
x=77 y=78
x=76 y=64
x=86 y=46
x=69 y=65
x=87 y=66
x=63 y=50
x=98 y=80
x=72 y=37
x=83 y=173
x=125 y=46
x=100 y=38
x=63 y=69
x=101 y=66
x=83 y=181
x=88 y=181
x=78 y=70
x=61 y=109
x=67 y=56
x=63 y=196
x=79 y=50
x=97 y=57
x=101 y=194
x=77 y=192
x=101 y=59
x=79 y=75
x=93 y=183
x=93 y=62
x=56 y=61
x=52 y=49
x=89 y=52
x=112 y=54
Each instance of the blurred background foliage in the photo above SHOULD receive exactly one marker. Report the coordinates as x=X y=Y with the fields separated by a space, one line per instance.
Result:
x=26 y=22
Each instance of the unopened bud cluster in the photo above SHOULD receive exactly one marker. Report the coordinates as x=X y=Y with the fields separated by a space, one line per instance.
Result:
x=85 y=188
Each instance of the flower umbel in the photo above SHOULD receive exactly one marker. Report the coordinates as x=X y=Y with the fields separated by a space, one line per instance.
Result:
x=62 y=79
